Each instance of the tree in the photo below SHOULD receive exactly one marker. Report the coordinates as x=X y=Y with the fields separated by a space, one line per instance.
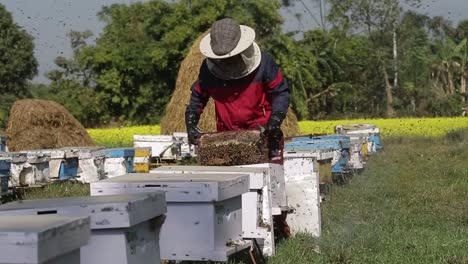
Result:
x=135 y=62
x=72 y=85
x=17 y=62
x=379 y=19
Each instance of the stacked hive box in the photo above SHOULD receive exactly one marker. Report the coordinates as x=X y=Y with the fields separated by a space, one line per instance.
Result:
x=370 y=132
x=119 y=162
x=42 y=239
x=204 y=215
x=304 y=172
x=91 y=164
x=125 y=228
x=142 y=160
x=257 y=220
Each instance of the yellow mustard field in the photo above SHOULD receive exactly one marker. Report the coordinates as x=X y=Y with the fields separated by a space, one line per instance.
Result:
x=426 y=127
x=122 y=136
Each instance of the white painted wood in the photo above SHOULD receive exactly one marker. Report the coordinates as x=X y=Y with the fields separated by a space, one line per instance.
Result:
x=28 y=168
x=160 y=145
x=204 y=212
x=42 y=239
x=302 y=185
x=121 y=229
x=277 y=185
x=257 y=219
x=304 y=197
x=115 y=167
x=356 y=160
x=90 y=164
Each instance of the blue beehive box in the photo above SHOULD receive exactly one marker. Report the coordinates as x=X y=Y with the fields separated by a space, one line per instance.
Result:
x=5 y=166
x=377 y=141
x=2 y=143
x=68 y=169
x=128 y=154
x=338 y=143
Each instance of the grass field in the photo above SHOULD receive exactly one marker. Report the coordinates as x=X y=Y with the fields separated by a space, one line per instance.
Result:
x=409 y=206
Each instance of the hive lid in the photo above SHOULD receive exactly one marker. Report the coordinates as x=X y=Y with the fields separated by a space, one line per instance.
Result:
x=37 y=239
x=256 y=175
x=120 y=152
x=179 y=187
x=87 y=152
x=113 y=211
x=319 y=154
x=318 y=144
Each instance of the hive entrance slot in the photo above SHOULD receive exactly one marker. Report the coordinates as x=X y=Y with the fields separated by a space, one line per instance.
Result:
x=47 y=212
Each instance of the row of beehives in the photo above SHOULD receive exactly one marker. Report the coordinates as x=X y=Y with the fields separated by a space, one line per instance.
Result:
x=88 y=164
x=213 y=212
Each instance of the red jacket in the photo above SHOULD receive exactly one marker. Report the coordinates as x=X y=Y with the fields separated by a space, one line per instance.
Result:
x=242 y=103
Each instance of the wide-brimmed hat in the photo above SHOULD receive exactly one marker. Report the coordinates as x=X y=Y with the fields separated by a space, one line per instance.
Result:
x=226 y=39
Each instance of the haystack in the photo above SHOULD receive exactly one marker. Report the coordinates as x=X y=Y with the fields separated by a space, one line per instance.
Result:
x=40 y=124
x=174 y=119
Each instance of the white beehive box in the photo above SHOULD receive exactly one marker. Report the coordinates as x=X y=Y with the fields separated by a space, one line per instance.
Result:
x=277 y=184
x=356 y=159
x=42 y=239
x=28 y=169
x=123 y=229
x=355 y=131
x=59 y=157
x=257 y=220
x=204 y=214
x=166 y=147
x=90 y=164
x=161 y=145
x=302 y=185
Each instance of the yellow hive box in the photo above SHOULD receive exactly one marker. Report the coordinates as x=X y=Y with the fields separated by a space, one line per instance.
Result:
x=143 y=152
x=365 y=149
x=142 y=167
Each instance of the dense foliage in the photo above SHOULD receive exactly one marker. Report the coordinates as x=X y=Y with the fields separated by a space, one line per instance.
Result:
x=365 y=58
x=17 y=62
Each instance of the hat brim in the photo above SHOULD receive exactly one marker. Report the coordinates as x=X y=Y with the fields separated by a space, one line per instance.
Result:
x=246 y=40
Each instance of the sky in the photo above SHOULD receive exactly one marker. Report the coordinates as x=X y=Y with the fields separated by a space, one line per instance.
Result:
x=49 y=21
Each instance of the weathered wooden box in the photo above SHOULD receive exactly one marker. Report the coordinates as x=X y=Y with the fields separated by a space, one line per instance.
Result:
x=277 y=184
x=257 y=220
x=370 y=131
x=166 y=147
x=142 y=160
x=340 y=144
x=5 y=167
x=27 y=169
x=124 y=227
x=302 y=175
x=204 y=212
x=63 y=164
x=42 y=239
x=119 y=161
x=90 y=163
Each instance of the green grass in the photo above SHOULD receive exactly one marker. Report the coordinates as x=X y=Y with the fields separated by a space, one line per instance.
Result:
x=56 y=190
x=409 y=206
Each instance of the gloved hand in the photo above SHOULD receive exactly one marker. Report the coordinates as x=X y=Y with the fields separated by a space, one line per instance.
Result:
x=274 y=133
x=191 y=121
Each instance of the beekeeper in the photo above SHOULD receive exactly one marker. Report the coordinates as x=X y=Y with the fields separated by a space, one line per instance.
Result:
x=246 y=85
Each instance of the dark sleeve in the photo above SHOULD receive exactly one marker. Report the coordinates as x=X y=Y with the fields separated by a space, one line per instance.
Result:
x=198 y=98
x=277 y=86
